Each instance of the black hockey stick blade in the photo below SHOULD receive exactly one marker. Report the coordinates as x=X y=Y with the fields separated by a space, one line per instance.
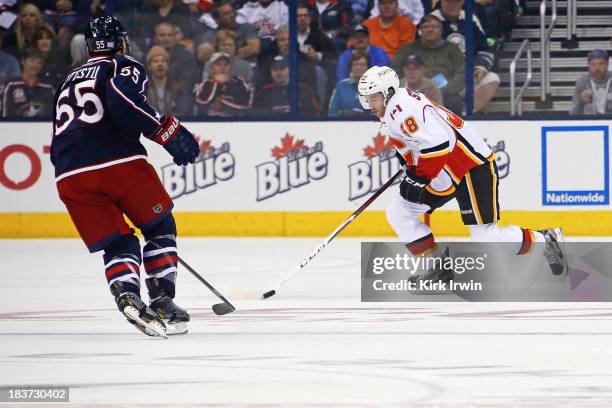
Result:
x=269 y=294
x=221 y=309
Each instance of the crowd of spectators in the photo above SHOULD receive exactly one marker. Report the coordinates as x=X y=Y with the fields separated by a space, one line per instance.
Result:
x=231 y=57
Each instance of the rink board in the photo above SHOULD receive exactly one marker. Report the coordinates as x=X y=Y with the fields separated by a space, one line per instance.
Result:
x=304 y=178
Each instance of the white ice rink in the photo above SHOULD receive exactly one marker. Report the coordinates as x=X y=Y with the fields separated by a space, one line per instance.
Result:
x=315 y=344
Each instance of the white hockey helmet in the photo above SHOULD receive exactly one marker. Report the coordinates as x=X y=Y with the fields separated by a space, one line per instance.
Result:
x=377 y=79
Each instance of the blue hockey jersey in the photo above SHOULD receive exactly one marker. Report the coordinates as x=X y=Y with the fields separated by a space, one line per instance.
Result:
x=100 y=112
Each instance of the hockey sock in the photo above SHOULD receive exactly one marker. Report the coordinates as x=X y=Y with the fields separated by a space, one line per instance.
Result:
x=160 y=259
x=422 y=246
x=122 y=265
x=529 y=237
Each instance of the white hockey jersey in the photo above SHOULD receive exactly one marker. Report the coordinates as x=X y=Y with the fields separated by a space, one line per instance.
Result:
x=436 y=143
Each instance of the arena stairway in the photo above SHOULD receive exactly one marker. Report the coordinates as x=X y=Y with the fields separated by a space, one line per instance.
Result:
x=594 y=30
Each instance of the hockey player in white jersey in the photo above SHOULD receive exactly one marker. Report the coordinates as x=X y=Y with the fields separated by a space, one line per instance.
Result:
x=446 y=159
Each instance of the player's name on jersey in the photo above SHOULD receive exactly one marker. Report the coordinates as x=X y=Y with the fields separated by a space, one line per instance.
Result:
x=84 y=73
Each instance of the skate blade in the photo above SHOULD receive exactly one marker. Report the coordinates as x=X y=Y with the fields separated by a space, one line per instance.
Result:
x=174 y=329
x=152 y=328
x=561 y=241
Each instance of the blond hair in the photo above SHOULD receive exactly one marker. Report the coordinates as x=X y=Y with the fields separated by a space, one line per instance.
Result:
x=22 y=42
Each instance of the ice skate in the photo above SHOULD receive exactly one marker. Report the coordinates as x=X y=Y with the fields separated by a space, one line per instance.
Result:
x=140 y=315
x=433 y=281
x=174 y=317
x=554 y=251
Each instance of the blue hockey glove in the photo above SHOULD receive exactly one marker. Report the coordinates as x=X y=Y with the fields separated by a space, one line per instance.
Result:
x=177 y=140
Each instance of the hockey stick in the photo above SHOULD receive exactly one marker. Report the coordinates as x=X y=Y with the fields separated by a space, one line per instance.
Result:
x=333 y=235
x=219 y=308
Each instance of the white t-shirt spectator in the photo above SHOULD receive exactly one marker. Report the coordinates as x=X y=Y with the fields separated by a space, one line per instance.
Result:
x=265 y=19
x=412 y=9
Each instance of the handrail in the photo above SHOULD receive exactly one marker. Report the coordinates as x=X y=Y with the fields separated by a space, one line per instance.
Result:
x=545 y=34
x=571 y=19
x=517 y=99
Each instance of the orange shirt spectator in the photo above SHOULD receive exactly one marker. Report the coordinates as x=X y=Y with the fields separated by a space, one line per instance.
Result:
x=390 y=30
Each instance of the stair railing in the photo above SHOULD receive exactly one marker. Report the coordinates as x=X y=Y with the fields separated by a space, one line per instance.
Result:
x=545 y=34
x=516 y=99
x=572 y=12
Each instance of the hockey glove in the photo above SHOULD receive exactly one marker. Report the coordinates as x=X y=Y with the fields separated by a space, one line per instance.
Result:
x=412 y=187
x=177 y=140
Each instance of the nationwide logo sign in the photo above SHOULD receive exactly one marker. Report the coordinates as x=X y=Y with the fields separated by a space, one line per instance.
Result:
x=213 y=165
x=369 y=175
x=295 y=166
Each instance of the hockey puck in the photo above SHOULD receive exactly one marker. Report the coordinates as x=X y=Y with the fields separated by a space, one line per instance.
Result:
x=269 y=293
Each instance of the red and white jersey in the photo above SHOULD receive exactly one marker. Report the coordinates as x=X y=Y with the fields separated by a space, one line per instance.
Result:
x=435 y=142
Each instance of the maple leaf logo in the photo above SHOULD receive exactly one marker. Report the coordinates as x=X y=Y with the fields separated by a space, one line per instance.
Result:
x=287 y=146
x=381 y=143
x=204 y=144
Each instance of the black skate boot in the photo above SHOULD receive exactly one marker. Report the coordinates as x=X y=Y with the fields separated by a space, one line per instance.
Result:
x=554 y=251
x=137 y=312
x=435 y=280
x=174 y=317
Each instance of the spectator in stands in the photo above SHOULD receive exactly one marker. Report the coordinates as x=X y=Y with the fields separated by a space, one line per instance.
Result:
x=249 y=44
x=154 y=12
x=453 y=21
x=319 y=48
x=444 y=62
x=334 y=18
x=344 y=100
x=9 y=67
x=160 y=94
x=223 y=94
x=593 y=93
x=312 y=41
x=411 y=9
x=182 y=63
x=187 y=43
x=226 y=43
x=497 y=16
x=360 y=40
x=274 y=98
x=55 y=61
x=414 y=78
x=30 y=18
x=361 y=9
x=390 y=30
x=63 y=18
x=26 y=96
x=306 y=66
x=267 y=16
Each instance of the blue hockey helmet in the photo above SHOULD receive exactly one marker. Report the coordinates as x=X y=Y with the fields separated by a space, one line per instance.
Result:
x=104 y=35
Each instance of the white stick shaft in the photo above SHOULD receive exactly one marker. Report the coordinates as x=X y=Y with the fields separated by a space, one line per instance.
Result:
x=316 y=251
x=338 y=230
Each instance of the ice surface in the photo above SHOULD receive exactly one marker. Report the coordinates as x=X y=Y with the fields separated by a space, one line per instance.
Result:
x=314 y=344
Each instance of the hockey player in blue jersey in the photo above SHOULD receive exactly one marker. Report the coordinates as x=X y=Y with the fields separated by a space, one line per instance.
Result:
x=102 y=174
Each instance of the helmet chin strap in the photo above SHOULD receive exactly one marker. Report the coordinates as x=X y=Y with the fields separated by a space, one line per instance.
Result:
x=125 y=47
